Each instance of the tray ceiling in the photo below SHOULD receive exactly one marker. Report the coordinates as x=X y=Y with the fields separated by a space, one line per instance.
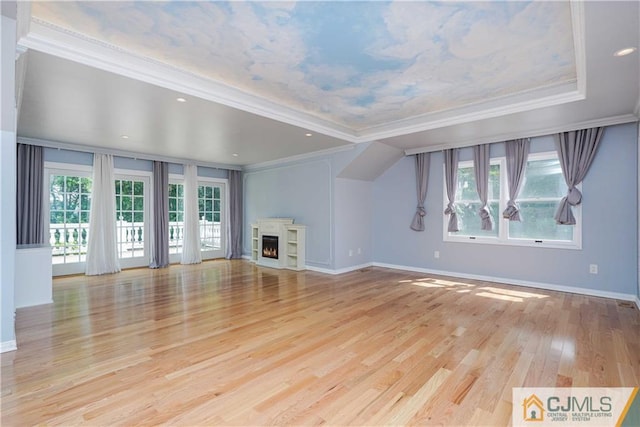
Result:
x=260 y=76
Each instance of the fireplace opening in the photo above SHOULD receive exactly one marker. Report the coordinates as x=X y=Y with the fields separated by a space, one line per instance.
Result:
x=270 y=247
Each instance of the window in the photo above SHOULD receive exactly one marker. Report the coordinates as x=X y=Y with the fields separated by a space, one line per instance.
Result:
x=541 y=192
x=211 y=196
x=539 y=197
x=176 y=217
x=69 y=204
x=468 y=202
x=131 y=219
x=210 y=208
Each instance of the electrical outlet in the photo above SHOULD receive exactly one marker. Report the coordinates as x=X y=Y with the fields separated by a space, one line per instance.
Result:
x=436 y=254
x=593 y=268
x=350 y=252
x=359 y=251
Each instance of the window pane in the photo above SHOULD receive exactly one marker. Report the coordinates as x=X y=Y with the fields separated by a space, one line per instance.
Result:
x=126 y=203
x=84 y=202
x=73 y=184
x=538 y=223
x=544 y=187
x=466 y=185
x=70 y=201
x=543 y=179
x=138 y=188
x=85 y=185
x=138 y=203
x=69 y=217
x=468 y=203
x=216 y=192
x=469 y=220
x=56 y=217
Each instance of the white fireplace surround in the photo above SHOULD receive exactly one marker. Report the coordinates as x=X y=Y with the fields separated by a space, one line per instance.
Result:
x=273 y=227
x=291 y=243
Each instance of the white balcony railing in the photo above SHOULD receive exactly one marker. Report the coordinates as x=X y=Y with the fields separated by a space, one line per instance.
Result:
x=69 y=241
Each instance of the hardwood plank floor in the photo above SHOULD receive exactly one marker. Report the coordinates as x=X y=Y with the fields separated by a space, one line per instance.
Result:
x=229 y=343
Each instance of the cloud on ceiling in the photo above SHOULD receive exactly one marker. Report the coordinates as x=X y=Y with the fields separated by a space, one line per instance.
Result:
x=359 y=64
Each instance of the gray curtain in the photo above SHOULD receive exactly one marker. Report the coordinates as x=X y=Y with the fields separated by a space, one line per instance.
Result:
x=517 y=152
x=451 y=181
x=235 y=215
x=576 y=151
x=422 y=182
x=160 y=246
x=29 y=194
x=481 y=172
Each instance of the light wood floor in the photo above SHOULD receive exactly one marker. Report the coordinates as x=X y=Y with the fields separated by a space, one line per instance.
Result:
x=229 y=343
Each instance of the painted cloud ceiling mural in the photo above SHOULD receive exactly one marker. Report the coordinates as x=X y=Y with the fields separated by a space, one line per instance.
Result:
x=357 y=64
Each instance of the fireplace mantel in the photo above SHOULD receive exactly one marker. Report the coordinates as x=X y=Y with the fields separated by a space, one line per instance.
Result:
x=290 y=248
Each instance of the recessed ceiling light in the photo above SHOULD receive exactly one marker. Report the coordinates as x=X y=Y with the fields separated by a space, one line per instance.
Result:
x=624 y=52
x=181 y=100
x=308 y=134
x=235 y=154
x=125 y=137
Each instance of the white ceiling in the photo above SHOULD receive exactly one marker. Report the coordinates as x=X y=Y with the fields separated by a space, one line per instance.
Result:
x=259 y=76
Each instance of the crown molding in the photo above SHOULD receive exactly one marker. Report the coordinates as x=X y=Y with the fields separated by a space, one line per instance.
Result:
x=609 y=121
x=539 y=98
x=579 y=44
x=298 y=158
x=121 y=153
x=51 y=39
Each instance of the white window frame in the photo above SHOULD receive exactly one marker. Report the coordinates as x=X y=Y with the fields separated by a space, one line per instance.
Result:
x=503 y=224
x=147 y=178
x=224 y=216
x=176 y=179
x=466 y=238
x=66 y=169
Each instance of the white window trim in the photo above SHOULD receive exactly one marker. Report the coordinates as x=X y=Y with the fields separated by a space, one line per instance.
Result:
x=503 y=224
x=224 y=220
x=147 y=178
x=175 y=178
x=67 y=169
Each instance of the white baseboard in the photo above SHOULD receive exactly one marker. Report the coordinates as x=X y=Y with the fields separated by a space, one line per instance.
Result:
x=8 y=346
x=516 y=282
x=340 y=270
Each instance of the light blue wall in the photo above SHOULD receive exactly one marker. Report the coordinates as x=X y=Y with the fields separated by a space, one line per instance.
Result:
x=610 y=227
x=86 y=159
x=302 y=191
x=213 y=173
x=353 y=205
x=67 y=156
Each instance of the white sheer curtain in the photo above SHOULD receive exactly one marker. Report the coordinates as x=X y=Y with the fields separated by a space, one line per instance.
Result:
x=102 y=248
x=191 y=236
